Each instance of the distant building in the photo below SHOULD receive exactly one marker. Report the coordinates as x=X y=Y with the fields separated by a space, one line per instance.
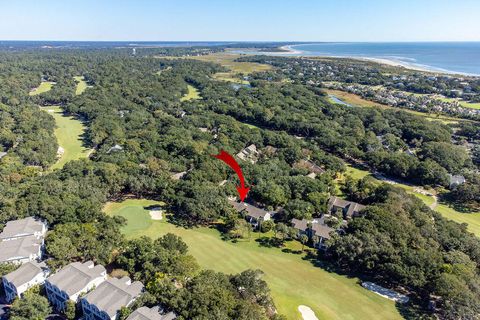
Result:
x=29 y=274
x=155 y=313
x=348 y=209
x=22 y=240
x=72 y=281
x=255 y=216
x=456 y=180
x=250 y=153
x=105 y=301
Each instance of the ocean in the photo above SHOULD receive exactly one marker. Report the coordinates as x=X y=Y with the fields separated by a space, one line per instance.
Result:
x=453 y=57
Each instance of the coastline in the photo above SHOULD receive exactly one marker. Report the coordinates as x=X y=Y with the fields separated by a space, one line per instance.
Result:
x=289 y=50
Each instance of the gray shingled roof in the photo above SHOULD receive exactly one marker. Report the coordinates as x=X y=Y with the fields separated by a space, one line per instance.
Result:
x=251 y=211
x=145 y=313
x=113 y=294
x=301 y=225
x=26 y=273
x=310 y=166
x=22 y=227
x=19 y=248
x=75 y=276
x=351 y=207
x=322 y=230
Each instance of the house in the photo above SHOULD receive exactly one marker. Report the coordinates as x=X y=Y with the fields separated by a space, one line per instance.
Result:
x=105 y=301
x=72 y=281
x=28 y=275
x=316 y=230
x=320 y=234
x=254 y=215
x=155 y=313
x=22 y=240
x=348 y=209
x=302 y=227
x=22 y=228
x=250 y=153
x=311 y=167
x=21 y=250
x=456 y=180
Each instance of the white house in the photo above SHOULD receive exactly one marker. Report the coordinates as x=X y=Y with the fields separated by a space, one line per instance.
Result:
x=105 y=301
x=22 y=240
x=28 y=275
x=154 y=313
x=72 y=281
x=23 y=228
x=21 y=250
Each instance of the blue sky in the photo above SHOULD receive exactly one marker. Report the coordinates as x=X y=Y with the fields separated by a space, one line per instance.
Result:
x=247 y=20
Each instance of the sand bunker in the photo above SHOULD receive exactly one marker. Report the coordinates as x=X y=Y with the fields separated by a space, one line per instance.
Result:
x=156 y=214
x=307 y=313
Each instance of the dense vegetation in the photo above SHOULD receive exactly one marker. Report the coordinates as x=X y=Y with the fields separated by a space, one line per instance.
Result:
x=143 y=133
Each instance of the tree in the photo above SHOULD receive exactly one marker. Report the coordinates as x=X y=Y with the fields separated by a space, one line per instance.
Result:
x=303 y=240
x=282 y=229
x=268 y=225
x=31 y=307
x=71 y=310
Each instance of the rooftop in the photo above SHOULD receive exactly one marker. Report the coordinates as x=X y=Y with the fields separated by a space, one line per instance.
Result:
x=22 y=227
x=300 y=224
x=322 y=230
x=76 y=276
x=26 y=273
x=145 y=313
x=350 y=206
x=113 y=294
x=251 y=210
x=19 y=248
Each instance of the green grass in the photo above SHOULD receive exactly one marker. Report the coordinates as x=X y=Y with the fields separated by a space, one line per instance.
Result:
x=81 y=85
x=470 y=105
x=68 y=132
x=192 y=94
x=293 y=281
x=44 y=86
x=471 y=219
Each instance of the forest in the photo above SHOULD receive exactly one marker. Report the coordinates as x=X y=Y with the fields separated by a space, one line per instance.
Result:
x=134 y=102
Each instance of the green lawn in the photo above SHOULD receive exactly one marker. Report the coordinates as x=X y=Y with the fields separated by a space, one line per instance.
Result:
x=293 y=280
x=81 y=85
x=470 y=105
x=42 y=88
x=192 y=94
x=68 y=133
x=472 y=219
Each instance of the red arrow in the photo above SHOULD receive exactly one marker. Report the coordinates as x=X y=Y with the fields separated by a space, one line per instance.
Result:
x=231 y=162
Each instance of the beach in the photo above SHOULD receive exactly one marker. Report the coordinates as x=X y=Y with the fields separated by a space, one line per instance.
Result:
x=439 y=58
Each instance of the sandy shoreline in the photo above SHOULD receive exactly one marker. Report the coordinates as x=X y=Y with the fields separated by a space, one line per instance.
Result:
x=289 y=50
